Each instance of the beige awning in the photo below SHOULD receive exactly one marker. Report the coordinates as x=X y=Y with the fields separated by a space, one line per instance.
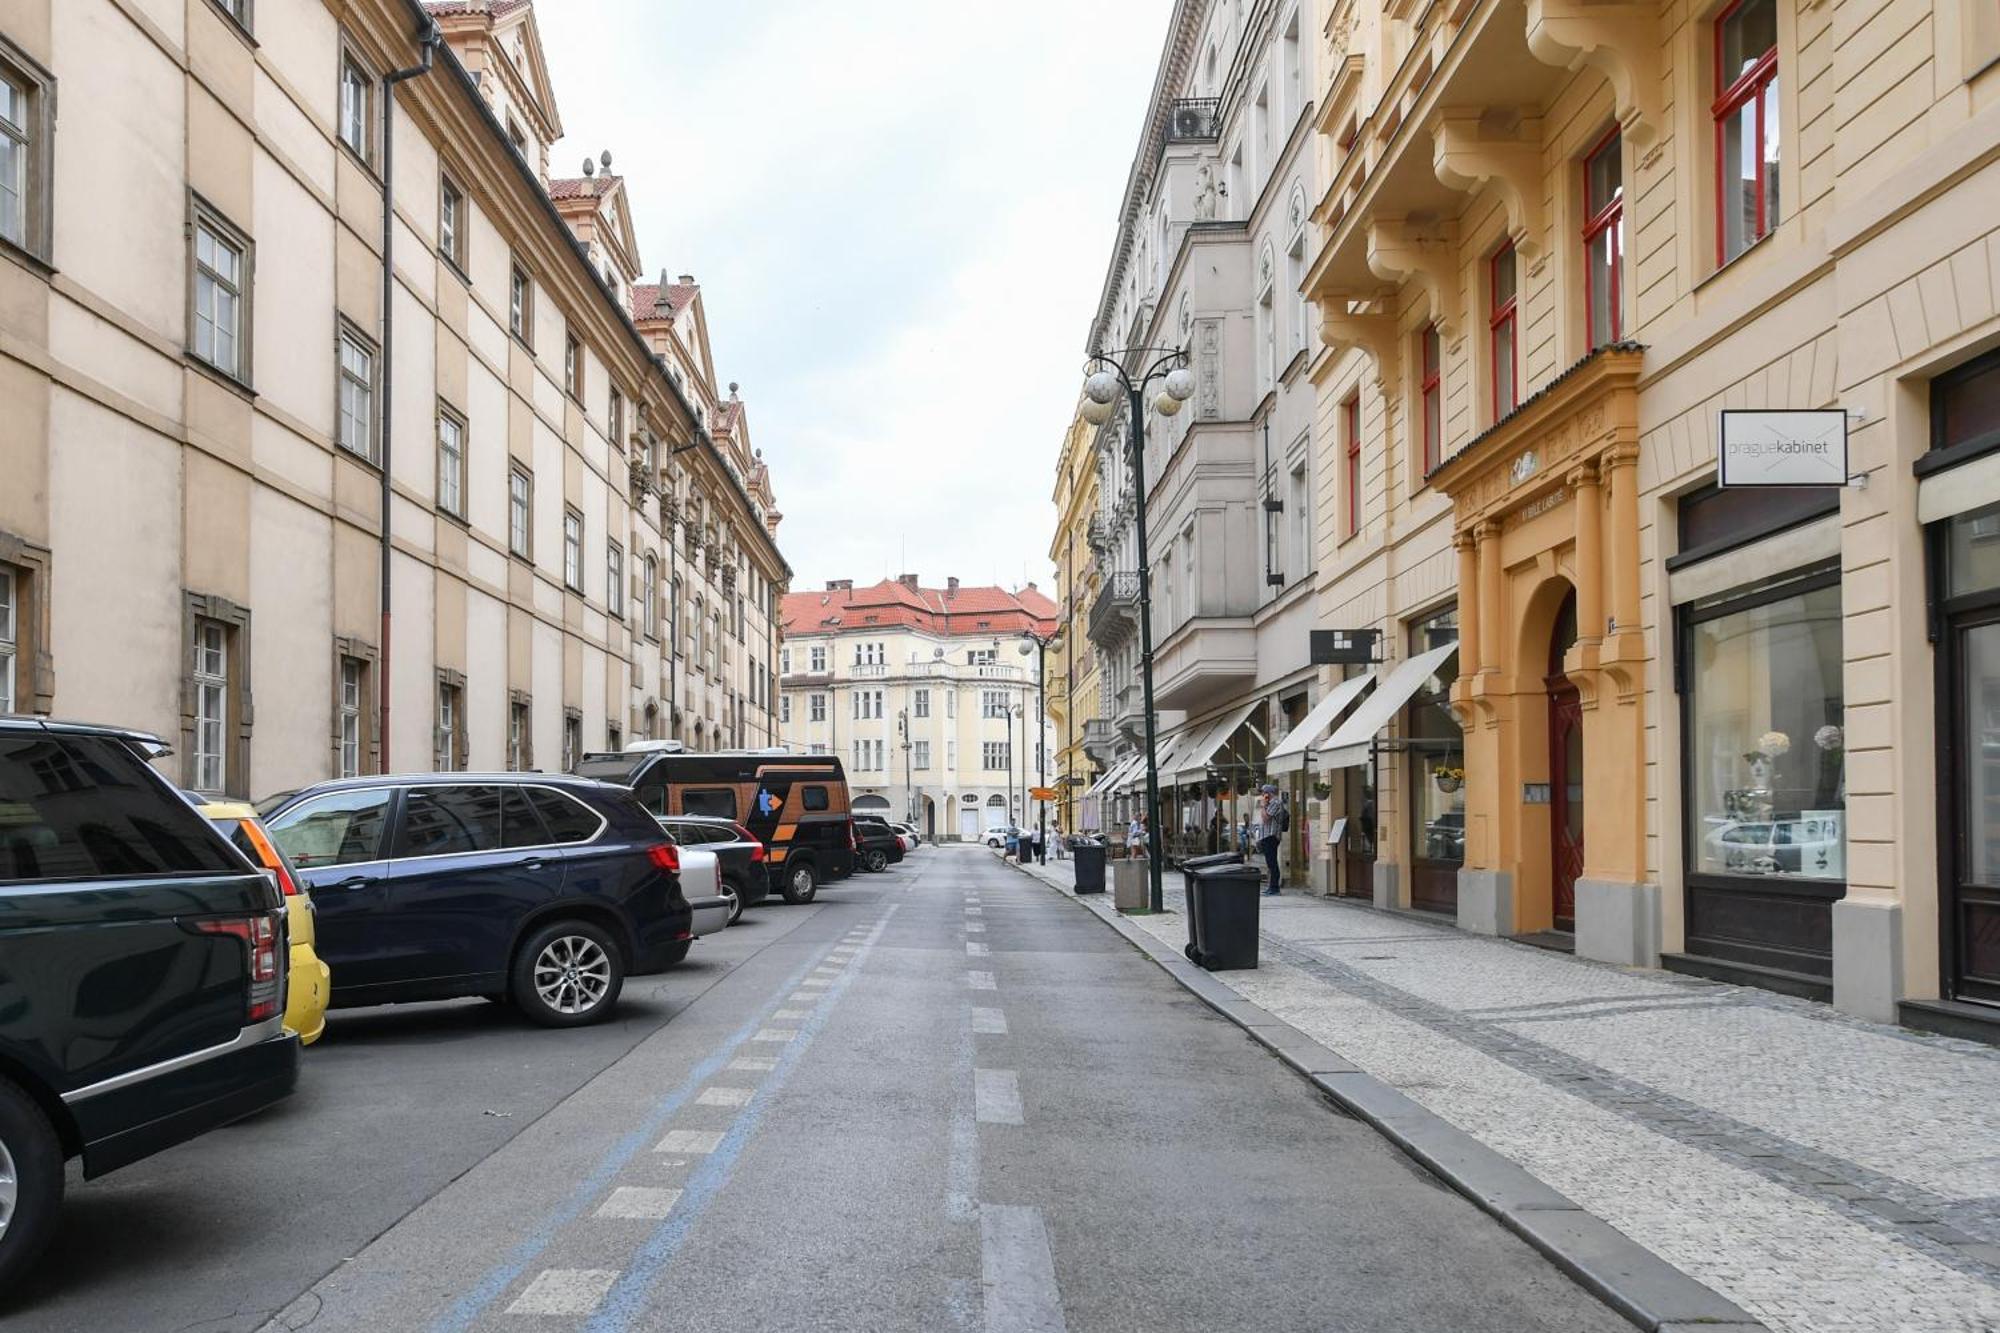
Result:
x=1351 y=745
x=1192 y=766
x=1291 y=754
x=1112 y=775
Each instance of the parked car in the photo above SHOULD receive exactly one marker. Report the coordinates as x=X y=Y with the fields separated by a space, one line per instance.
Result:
x=744 y=881
x=142 y=971
x=916 y=835
x=308 y=980
x=877 y=846
x=546 y=892
x=1001 y=836
x=708 y=899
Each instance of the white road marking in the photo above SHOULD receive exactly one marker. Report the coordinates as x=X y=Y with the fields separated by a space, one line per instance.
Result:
x=976 y=949
x=793 y=1014
x=989 y=1022
x=975 y=911
x=996 y=1097
x=805 y=997
x=775 y=1034
x=565 y=1291
x=689 y=1141
x=724 y=1097
x=639 y=1201
x=981 y=981
x=753 y=1064
x=975 y=927
x=1017 y=1271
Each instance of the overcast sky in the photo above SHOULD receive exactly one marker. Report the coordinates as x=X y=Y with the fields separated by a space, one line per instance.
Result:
x=900 y=212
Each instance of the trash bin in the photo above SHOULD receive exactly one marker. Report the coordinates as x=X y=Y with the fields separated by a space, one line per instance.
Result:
x=1089 y=856
x=1188 y=868
x=1225 y=916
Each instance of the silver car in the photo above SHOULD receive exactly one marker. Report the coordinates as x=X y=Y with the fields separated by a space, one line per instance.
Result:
x=701 y=885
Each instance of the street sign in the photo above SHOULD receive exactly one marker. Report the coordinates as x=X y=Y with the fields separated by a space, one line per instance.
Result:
x=1785 y=447
x=1041 y=793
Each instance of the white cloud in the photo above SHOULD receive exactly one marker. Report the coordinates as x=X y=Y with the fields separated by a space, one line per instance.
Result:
x=900 y=213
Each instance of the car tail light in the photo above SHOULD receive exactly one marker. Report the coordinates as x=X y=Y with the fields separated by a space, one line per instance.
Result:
x=666 y=856
x=274 y=864
x=260 y=939
x=756 y=852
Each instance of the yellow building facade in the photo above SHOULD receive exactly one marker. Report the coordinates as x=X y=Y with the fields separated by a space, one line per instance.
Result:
x=1072 y=665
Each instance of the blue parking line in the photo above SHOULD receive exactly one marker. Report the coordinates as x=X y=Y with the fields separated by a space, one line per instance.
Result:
x=459 y=1318
x=632 y=1292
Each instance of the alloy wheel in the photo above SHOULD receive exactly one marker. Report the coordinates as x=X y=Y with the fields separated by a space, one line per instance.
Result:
x=802 y=880
x=734 y=899
x=572 y=974
x=10 y=1189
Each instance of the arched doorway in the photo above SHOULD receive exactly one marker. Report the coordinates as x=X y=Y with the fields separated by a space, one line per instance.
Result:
x=872 y=805
x=1566 y=786
x=930 y=819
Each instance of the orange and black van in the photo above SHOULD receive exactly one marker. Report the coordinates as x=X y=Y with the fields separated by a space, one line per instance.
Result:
x=795 y=804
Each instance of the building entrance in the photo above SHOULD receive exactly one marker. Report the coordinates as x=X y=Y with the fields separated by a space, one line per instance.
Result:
x=1565 y=773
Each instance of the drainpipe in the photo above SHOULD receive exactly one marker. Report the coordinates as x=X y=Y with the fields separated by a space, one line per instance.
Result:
x=427 y=44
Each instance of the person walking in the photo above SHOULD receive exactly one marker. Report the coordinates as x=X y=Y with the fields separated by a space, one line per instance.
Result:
x=1271 y=820
x=1041 y=847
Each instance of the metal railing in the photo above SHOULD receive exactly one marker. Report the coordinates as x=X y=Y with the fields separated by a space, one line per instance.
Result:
x=1194 y=120
x=1119 y=594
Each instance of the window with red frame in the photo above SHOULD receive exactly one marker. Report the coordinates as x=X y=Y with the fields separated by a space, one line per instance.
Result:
x=1604 y=242
x=1746 y=126
x=1504 y=333
x=1350 y=426
x=1433 y=390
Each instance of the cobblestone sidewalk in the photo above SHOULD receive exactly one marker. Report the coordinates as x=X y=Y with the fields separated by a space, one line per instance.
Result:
x=1825 y=1173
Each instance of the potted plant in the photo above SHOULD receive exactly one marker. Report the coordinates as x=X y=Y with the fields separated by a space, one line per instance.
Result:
x=1448 y=779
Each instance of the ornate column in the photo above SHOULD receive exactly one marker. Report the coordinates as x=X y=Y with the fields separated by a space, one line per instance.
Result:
x=1589 y=554
x=1491 y=617
x=1622 y=462
x=1469 y=619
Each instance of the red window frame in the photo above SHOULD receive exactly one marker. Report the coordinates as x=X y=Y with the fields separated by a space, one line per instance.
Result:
x=1605 y=220
x=1350 y=420
x=1504 y=316
x=1432 y=399
x=1730 y=98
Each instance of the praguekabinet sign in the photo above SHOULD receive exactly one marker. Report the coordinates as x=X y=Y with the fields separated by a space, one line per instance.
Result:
x=1783 y=447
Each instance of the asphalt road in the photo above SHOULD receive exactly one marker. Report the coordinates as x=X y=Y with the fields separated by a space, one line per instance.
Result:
x=939 y=1099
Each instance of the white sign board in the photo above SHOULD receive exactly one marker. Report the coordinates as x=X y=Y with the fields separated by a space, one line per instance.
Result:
x=1790 y=447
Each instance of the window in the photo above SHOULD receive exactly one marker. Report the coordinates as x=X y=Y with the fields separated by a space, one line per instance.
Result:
x=818 y=656
x=572 y=550
x=451 y=222
x=920 y=756
x=517 y=137
x=614 y=737
x=572 y=745
x=673 y=618
x=1437 y=748
x=572 y=365
x=817 y=712
x=357 y=114
x=784 y=708
x=785 y=661
x=1604 y=242
x=697 y=651
x=356 y=432
x=617 y=419
x=353 y=692
x=1298 y=505
x=1504 y=332
x=993 y=703
x=951 y=756
x=709 y=802
x=26 y=151
x=1350 y=430
x=649 y=594
x=9 y=641
x=238 y=10
x=1965 y=411
x=520 y=733
x=995 y=755
x=521 y=305
x=337 y=829
x=520 y=511
x=221 y=288
x=1433 y=399
x=211 y=705
x=457 y=821
x=614 y=580
x=715 y=643
x=951 y=703
x=813 y=798
x=451 y=462
x=448 y=741
x=868 y=704
x=923 y=703
x=1267 y=326
x=1746 y=126
x=981 y=656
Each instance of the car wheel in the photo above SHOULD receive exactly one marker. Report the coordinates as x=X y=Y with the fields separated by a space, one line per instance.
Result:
x=734 y=894
x=878 y=861
x=31 y=1182
x=568 y=974
x=801 y=882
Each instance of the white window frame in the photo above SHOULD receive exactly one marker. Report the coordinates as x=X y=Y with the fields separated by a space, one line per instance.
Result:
x=993 y=704
x=451 y=462
x=920 y=706
x=219 y=297
x=817 y=710
x=356 y=108
x=444 y=751
x=357 y=364
x=521 y=512
x=451 y=221
x=920 y=756
x=649 y=593
x=353 y=680
x=211 y=705
x=10 y=641
x=573 y=549
x=818 y=654
x=614 y=580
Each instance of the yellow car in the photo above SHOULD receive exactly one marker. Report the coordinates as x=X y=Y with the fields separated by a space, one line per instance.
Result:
x=309 y=981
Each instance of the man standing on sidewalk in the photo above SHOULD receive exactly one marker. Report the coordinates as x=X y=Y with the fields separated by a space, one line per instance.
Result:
x=1270 y=827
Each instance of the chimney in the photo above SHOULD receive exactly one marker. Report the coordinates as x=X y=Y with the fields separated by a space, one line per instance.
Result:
x=840 y=585
x=908 y=581
x=951 y=588
x=687 y=279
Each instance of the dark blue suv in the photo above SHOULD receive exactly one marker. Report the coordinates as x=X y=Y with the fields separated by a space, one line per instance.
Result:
x=546 y=892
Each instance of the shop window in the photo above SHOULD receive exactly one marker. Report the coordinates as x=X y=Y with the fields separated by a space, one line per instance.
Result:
x=1714 y=519
x=1965 y=413
x=1436 y=749
x=1746 y=126
x=1604 y=242
x=1766 y=753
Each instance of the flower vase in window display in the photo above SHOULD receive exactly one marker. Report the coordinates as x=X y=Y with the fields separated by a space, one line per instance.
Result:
x=1760 y=838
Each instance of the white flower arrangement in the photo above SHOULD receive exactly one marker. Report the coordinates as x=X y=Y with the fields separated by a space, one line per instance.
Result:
x=1774 y=744
x=1829 y=737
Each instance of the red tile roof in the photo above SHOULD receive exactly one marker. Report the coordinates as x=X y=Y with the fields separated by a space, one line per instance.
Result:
x=580 y=187
x=646 y=296
x=497 y=8
x=967 y=611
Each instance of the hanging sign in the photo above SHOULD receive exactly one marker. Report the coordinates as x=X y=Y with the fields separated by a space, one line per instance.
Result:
x=1784 y=447
x=1042 y=793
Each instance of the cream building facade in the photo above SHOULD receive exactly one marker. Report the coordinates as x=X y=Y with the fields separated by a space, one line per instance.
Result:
x=204 y=385
x=925 y=695
x=1081 y=734
x=1740 y=732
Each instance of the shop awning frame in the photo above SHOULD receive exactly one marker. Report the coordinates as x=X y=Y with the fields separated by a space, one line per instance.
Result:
x=1294 y=753
x=1105 y=784
x=1354 y=744
x=1193 y=763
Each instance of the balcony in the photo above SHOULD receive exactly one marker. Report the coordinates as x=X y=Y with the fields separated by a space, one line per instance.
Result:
x=1195 y=120
x=1099 y=739
x=1114 y=615
x=870 y=670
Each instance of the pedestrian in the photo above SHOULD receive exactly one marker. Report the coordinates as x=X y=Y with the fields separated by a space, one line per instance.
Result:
x=1243 y=836
x=1041 y=846
x=1272 y=818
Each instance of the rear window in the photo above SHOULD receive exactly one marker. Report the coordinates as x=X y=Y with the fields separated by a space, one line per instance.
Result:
x=568 y=819
x=83 y=807
x=445 y=821
x=710 y=802
x=814 y=798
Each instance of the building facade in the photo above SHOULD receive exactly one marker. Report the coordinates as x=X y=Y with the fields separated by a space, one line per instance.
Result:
x=215 y=399
x=926 y=695
x=1075 y=709
x=1738 y=731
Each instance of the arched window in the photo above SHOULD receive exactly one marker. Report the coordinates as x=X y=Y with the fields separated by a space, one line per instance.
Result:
x=674 y=618
x=649 y=589
x=695 y=644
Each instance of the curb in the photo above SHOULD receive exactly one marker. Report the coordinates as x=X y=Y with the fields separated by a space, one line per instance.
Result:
x=1619 y=1271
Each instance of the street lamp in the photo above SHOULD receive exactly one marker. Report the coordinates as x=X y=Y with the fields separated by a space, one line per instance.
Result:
x=909 y=788
x=1032 y=642
x=1100 y=395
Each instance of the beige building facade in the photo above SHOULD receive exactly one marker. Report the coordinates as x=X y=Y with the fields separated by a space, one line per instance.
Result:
x=1081 y=735
x=211 y=404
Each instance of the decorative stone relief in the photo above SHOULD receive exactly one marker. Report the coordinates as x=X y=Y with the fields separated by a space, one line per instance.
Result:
x=1208 y=370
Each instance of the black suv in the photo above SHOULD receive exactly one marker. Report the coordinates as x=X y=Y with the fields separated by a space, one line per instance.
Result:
x=142 y=969
x=543 y=891
x=744 y=879
x=877 y=846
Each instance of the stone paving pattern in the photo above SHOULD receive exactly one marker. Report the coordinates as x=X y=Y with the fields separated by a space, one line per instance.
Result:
x=1827 y=1174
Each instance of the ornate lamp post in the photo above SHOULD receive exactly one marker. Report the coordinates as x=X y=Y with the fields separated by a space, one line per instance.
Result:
x=1032 y=642
x=1100 y=391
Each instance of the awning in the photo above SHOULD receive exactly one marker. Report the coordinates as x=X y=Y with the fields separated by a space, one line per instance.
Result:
x=1111 y=776
x=1192 y=766
x=1289 y=755
x=1350 y=746
x=1135 y=777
